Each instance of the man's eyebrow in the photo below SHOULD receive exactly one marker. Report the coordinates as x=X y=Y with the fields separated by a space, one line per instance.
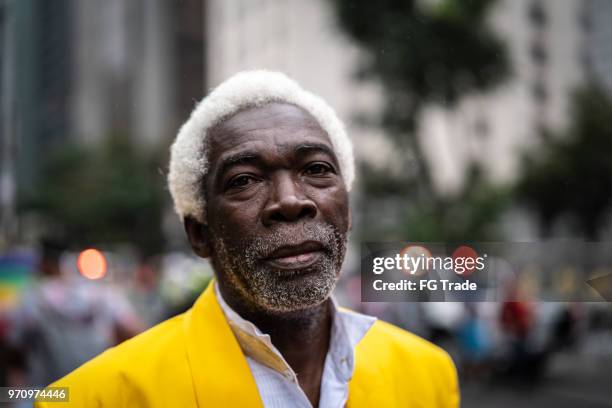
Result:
x=238 y=158
x=304 y=148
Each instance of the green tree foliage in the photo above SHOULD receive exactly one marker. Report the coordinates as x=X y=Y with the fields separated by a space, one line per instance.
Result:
x=470 y=216
x=102 y=195
x=570 y=177
x=424 y=52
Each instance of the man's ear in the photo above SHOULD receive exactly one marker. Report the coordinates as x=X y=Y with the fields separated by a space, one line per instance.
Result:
x=198 y=235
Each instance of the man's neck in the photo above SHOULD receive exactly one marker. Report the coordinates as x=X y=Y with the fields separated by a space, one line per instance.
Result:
x=302 y=337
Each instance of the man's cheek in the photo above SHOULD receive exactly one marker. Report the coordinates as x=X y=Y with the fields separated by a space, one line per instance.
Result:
x=340 y=219
x=334 y=206
x=234 y=221
x=242 y=213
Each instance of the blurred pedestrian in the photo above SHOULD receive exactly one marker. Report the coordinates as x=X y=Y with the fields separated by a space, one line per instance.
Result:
x=474 y=342
x=517 y=322
x=144 y=292
x=60 y=323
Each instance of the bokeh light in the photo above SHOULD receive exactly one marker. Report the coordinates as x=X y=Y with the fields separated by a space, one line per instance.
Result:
x=92 y=264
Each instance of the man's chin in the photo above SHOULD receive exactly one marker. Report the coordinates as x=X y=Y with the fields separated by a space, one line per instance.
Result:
x=294 y=291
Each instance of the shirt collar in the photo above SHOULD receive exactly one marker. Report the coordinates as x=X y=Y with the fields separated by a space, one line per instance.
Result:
x=348 y=328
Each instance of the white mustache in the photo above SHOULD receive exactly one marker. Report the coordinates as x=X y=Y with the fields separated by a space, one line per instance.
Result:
x=264 y=246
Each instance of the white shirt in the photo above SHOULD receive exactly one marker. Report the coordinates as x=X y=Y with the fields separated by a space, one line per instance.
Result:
x=277 y=382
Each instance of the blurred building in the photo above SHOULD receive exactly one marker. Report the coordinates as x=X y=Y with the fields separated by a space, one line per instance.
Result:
x=7 y=140
x=600 y=33
x=549 y=48
x=84 y=70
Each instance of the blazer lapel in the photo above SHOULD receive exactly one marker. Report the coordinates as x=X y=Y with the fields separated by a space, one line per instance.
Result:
x=221 y=374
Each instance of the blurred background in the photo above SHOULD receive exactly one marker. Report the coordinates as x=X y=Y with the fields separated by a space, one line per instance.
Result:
x=473 y=120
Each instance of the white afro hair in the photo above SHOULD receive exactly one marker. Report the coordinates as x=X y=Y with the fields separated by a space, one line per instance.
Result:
x=189 y=156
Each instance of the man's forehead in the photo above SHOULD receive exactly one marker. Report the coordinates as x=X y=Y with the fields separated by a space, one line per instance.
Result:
x=272 y=126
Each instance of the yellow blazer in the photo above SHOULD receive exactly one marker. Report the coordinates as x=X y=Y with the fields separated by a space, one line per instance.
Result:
x=193 y=360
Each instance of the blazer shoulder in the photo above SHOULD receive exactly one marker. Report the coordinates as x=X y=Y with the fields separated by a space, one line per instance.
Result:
x=401 y=358
x=162 y=337
x=398 y=344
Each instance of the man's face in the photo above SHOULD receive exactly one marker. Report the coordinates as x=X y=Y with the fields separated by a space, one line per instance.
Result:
x=277 y=208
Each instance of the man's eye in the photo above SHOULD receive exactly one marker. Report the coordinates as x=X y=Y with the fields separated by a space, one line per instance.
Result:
x=318 y=169
x=241 y=181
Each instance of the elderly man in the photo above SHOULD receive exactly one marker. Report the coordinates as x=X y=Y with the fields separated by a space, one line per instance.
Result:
x=260 y=175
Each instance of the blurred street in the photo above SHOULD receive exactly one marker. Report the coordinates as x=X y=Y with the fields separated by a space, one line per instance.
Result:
x=571 y=381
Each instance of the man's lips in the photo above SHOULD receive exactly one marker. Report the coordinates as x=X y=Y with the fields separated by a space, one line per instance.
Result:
x=295 y=256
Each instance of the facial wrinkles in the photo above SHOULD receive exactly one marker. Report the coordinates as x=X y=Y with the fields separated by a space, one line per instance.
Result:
x=264 y=287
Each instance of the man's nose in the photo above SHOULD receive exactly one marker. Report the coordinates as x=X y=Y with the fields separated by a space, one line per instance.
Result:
x=287 y=202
